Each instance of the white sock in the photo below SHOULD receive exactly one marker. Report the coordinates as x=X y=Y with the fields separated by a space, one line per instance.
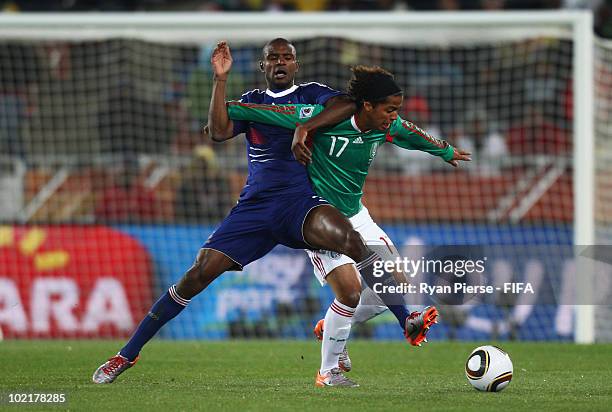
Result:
x=370 y=306
x=337 y=329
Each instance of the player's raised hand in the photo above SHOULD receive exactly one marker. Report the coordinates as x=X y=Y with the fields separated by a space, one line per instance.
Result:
x=458 y=155
x=221 y=60
x=300 y=149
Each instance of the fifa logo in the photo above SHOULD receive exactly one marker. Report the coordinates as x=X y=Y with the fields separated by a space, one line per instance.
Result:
x=306 y=112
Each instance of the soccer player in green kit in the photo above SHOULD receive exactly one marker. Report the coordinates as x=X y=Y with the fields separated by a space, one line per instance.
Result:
x=338 y=167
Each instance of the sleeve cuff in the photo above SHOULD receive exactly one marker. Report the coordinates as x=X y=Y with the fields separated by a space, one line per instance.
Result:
x=448 y=154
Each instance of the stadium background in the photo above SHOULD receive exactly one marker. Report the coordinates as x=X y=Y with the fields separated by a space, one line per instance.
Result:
x=108 y=191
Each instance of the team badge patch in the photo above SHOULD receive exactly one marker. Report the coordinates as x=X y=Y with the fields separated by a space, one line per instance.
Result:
x=373 y=152
x=306 y=112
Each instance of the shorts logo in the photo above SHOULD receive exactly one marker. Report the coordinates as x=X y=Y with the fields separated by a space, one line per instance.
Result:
x=333 y=255
x=306 y=112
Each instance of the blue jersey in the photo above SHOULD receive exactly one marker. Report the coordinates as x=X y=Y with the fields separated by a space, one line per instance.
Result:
x=272 y=167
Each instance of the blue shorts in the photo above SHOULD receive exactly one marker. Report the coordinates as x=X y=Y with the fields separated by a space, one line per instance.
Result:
x=253 y=227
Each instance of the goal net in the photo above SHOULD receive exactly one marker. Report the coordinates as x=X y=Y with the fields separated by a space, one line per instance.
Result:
x=108 y=189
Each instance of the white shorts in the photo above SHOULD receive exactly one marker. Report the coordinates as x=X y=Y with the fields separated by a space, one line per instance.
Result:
x=324 y=261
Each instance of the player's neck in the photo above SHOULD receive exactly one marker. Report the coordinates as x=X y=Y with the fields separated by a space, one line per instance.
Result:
x=278 y=89
x=362 y=123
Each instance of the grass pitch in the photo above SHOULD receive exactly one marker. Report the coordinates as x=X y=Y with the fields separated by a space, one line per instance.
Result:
x=279 y=375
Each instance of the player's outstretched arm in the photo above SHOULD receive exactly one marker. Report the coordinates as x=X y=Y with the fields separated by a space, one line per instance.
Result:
x=220 y=126
x=283 y=115
x=409 y=136
x=337 y=109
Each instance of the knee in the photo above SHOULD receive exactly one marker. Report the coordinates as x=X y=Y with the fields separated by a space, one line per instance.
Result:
x=196 y=271
x=204 y=270
x=197 y=274
x=350 y=298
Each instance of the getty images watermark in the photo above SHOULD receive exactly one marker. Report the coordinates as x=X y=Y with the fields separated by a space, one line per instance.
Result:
x=506 y=275
x=449 y=267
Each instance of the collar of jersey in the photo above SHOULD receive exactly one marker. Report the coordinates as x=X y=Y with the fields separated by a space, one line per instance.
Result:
x=283 y=93
x=354 y=124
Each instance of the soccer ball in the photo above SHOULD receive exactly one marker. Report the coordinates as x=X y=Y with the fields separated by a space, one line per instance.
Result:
x=488 y=368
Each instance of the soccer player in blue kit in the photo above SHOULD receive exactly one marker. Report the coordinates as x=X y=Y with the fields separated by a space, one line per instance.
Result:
x=277 y=204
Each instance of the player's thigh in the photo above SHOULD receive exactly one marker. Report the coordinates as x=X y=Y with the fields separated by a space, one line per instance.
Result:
x=289 y=219
x=244 y=235
x=326 y=228
x=325 y=261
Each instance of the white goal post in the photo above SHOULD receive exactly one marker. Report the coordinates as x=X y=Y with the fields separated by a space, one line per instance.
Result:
x=419 y=29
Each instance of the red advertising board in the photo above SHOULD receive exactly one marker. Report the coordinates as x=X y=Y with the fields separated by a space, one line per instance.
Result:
x=71 y=282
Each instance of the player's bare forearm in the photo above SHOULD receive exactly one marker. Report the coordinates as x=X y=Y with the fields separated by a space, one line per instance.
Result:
x=336 y=110
x=300 y=149
x=219 y=124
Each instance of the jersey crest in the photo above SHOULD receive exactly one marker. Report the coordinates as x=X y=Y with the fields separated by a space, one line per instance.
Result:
x=373 y=151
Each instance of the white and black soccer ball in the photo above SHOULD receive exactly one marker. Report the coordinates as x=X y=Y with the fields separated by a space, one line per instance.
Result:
x=488 y=369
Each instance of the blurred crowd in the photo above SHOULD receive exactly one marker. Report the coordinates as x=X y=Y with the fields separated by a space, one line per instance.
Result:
x=128 y=147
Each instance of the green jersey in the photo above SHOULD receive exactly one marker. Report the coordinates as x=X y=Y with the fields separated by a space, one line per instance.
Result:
x=342 y=154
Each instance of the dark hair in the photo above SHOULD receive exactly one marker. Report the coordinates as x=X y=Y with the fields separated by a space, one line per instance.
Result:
x=372 y=84
x=278 y=40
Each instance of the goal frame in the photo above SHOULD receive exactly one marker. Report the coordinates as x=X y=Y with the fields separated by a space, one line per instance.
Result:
x=394 y=27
